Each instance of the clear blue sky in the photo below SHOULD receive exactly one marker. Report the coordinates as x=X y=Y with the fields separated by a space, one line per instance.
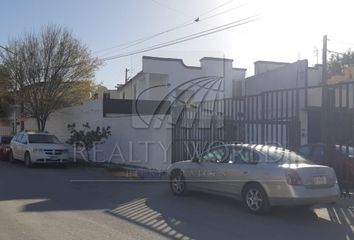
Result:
x=288 y=30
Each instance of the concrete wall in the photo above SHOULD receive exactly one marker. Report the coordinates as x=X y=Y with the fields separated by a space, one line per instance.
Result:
x=144 y=147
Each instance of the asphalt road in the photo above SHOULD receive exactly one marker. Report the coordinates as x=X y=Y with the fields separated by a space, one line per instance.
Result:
x=53 y=203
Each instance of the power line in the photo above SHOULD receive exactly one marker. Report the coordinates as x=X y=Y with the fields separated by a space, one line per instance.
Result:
x=223 y=12
x=188 y=37
x=183 y=25
x=144 y=39
x=343 y=43
x=334 y=52
x=215 y=8
x=168 y=7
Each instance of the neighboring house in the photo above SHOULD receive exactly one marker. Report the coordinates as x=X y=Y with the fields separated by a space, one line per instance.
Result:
x=165 y=78
x=279 y=75
x=271 y=76
x=348 y=75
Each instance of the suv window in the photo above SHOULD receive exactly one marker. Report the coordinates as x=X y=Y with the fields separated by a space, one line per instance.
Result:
x=23 y=139
x=42 y=138
x=18 y=137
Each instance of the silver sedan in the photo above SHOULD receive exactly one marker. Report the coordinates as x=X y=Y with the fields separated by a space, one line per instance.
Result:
x=261 y=176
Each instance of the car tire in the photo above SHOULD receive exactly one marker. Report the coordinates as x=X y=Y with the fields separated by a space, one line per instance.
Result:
x=178 y=183
x=256 y=199
x=11 y=157
x=28 y=161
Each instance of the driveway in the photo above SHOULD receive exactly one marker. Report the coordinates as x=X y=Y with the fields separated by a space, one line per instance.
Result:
x=55 y=203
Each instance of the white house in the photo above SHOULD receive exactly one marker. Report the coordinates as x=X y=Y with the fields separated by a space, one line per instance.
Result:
x=163 y=78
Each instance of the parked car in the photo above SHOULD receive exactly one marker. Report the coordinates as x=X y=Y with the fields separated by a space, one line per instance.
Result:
x=38 y=147
x=261 y=176
x=5 y=147
x=339 y=157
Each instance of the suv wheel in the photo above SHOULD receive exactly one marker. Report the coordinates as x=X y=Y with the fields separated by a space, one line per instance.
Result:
x=11 y=157
x=28 y=161
x=256 y=199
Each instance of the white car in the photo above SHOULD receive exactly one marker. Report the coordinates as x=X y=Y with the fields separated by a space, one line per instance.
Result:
x=261 y=176
x=38 y=147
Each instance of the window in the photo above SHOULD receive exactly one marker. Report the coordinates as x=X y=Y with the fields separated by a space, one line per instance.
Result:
x=318 y=152
x=18 y=137
x=214 y=156
x=23 y=139
x=42 y=138
x=244 y=155
x=275 y=154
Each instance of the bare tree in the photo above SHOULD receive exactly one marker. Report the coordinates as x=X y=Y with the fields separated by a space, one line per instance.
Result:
x=45 y=67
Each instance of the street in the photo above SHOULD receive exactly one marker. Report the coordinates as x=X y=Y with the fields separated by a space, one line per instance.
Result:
x=53 y=203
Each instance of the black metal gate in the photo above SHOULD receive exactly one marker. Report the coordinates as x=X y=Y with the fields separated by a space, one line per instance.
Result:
x=268 y=118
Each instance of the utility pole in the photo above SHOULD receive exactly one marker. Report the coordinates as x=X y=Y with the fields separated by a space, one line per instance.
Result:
x=325 y=96
x=324 y=60
x=126 y=75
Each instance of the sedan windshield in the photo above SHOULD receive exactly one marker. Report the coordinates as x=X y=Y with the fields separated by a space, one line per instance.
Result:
x=41 y=138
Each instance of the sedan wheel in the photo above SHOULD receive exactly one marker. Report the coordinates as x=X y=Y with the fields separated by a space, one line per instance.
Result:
x=256 y=199
x=28 y=161
x=178 y=183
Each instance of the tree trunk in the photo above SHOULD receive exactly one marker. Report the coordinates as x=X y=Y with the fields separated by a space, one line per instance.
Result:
x=43 y=123
x=38 y=124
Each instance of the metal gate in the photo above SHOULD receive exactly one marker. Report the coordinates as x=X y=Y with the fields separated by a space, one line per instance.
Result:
x=268 y=118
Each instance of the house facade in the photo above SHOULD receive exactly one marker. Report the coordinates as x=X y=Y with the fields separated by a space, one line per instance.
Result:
x=164 y=78
x=134 y=140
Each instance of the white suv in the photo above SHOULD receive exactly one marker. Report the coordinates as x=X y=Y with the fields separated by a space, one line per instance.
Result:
x=38 y=147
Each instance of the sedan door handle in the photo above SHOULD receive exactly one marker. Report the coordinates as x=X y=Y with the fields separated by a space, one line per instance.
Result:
x=245 y=172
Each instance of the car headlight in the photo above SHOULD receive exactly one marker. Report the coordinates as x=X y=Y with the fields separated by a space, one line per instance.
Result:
x=38 y=150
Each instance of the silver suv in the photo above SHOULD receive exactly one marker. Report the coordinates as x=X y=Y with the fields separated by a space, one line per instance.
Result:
x=38 y=147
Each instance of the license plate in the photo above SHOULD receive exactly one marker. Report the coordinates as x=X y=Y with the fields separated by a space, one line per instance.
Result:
x=53 y=157
x=320 y=180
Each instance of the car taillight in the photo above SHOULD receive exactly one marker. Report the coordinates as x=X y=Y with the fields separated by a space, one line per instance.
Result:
x=293 y=178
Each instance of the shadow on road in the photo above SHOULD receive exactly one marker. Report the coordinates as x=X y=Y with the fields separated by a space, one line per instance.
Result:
x=152 y=206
